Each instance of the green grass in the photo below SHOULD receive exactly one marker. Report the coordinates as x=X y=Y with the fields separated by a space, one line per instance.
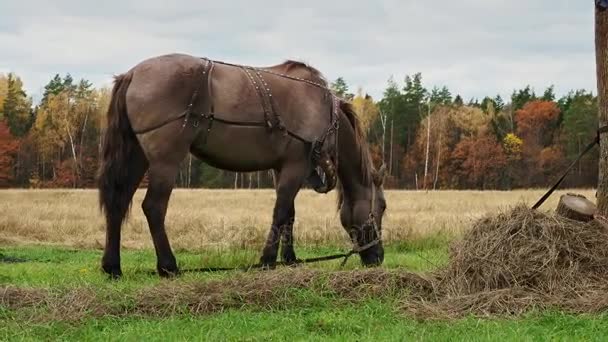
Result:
x=311 y=316
x=370 y=320
x=60 y=267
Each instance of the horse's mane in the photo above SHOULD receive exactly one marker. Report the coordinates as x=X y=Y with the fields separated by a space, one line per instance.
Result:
x=362 y=146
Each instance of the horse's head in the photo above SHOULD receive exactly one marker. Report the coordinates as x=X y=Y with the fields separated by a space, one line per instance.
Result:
x=362 y=219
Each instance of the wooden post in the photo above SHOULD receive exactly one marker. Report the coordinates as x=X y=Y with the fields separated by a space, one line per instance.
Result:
x=428 y=145
x=601 y=59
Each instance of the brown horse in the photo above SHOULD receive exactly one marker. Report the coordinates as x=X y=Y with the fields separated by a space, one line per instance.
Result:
x=240 y=119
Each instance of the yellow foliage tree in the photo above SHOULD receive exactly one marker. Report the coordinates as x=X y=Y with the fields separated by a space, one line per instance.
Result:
x=366 y=109
x=512 y=145
x=3 y=91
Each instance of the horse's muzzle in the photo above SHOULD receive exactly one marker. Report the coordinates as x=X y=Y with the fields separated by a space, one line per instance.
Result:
x=373 y=256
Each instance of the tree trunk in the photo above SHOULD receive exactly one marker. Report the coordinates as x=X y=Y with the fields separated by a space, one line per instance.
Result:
x=438 y=160
x=82 y=134
x=189 y=170
x=601 y=56
x=390 y=160
x=576 y=207
x=43 y=171
x=75 y=169
x=383 y=122
x=428 y=147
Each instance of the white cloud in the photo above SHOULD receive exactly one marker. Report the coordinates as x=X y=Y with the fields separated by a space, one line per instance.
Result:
x=475 y=47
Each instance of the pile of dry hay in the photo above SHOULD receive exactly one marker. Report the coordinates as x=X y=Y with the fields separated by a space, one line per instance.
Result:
x=518 y=261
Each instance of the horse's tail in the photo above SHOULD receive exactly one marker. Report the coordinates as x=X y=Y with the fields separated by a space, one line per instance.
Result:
x=119 y=147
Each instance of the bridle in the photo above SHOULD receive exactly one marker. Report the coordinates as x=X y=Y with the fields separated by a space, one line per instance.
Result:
x=371 y=221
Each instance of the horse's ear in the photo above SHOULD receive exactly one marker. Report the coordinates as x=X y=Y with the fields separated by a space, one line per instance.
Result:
x=379 y=175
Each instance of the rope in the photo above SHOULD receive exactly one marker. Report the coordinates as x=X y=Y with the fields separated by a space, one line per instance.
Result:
x=596 y=141
x=245 y=268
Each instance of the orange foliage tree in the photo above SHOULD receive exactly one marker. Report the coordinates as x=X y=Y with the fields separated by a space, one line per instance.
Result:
x=478 y=162
x=536 y=122
x=536 y=125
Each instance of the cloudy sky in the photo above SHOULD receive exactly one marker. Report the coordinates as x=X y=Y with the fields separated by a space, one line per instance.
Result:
x=475 y=47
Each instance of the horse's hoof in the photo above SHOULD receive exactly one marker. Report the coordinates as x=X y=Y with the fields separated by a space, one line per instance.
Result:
x=168 y=272
x=113 y=271
x=266 y=266
x=291 y=261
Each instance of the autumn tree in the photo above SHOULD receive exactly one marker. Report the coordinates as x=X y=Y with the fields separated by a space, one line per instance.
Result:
x=536 y=125
x=8 y=153
x=3 y=91
x=536 y=122
x=449 y=125
x=512 y=146
x=478 y=162
x=365 y=108
x=66 y=123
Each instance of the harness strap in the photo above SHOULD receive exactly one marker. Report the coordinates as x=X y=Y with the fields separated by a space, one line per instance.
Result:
x=262 y=92
x=206 y=73
x=269 y=103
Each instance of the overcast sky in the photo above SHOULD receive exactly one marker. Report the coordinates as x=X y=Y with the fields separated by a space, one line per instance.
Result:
x=475 y=47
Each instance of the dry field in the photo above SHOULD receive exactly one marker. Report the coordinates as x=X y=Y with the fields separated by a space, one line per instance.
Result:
x=201 y=219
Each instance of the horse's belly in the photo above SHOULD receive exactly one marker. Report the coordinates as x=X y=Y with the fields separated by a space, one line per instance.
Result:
x=237 y=148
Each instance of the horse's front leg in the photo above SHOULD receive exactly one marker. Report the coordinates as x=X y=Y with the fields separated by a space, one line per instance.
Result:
x=287 y=252
x=289 y=182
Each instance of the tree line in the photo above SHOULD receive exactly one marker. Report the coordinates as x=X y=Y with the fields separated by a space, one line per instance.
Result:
x=428 y=138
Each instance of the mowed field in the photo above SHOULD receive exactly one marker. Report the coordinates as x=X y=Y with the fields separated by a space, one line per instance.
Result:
x=203 y=219
x=51 y=286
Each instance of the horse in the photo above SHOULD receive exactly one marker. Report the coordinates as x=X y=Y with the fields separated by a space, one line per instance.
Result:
x=238 y=118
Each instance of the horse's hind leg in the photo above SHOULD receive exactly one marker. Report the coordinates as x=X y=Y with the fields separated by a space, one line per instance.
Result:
x=165 y=148
x=160 y=186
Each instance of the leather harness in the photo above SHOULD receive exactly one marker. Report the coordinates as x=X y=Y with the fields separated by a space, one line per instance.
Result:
x=272 y=119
